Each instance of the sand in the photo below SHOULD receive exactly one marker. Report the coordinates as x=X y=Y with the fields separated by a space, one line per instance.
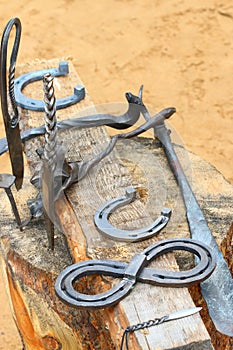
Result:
x=181 y=50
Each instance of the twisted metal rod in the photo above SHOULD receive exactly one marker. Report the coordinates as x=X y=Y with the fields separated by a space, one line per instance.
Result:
x=156 y=321
x=50 y=148
x=11 y=91
x=50 y=157
x=137 y=327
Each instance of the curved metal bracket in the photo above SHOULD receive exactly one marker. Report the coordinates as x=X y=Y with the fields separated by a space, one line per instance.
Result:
x=37 y=105
x=103 y=226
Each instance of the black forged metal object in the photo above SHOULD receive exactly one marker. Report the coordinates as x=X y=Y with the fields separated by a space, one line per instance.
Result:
x=76 y=171
x=37 y=105
x=218 y=289
x=156 y=321
x=124 y=121
x=103 y=226
x=135 y=271
x=10 y=115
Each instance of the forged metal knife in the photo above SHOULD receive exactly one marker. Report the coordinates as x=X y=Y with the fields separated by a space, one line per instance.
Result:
x=217 y=290
x=10 y=115
x=174 y=316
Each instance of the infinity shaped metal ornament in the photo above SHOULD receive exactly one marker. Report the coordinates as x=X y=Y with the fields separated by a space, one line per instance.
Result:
x=103 y=226
x=134 y=272
x=37 y=105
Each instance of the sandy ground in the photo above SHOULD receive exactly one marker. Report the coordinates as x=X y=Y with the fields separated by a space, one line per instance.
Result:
x=181 y=50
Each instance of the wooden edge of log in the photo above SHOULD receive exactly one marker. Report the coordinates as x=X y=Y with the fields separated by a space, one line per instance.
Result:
x=219 y=340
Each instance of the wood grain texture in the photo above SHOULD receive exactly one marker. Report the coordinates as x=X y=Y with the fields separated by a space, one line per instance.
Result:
x=214 y=194
x=30 y=269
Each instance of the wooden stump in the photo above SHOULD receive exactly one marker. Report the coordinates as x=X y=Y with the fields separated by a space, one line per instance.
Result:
x=30 y=269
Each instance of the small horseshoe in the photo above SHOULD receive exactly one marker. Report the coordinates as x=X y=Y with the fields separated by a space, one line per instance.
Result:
x=103 y=226
x=37 y=105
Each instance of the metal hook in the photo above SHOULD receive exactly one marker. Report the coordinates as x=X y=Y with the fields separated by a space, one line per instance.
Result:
x=103 y=226
x=37 y=105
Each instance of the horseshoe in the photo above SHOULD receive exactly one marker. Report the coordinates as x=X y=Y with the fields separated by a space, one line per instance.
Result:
x=135 y=271
x=103 y=226
x=37 y=105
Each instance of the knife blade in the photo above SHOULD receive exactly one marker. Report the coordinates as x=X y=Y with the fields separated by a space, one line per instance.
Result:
x=48 y=202
x=217 y=290
x=182 y=313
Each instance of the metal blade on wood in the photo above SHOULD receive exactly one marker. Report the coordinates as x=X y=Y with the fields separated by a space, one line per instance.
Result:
x=48 y=201
x=183 y=313
x=217 y=290
x=155 y=322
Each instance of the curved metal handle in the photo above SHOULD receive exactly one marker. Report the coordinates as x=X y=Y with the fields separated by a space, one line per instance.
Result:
x=133 y=272
x=102 y=214
x=4 y=46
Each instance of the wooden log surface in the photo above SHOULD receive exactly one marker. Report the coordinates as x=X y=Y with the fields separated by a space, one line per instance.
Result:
x=30 y=269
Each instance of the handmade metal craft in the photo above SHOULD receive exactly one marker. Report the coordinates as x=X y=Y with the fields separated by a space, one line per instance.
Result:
x=9 y=108
x=124 y=121
x=156 y=321
x=134 y=272
x=218 y=289
x=103 y=225
x=75 y=171
x=37 y=105
x=49 y=157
